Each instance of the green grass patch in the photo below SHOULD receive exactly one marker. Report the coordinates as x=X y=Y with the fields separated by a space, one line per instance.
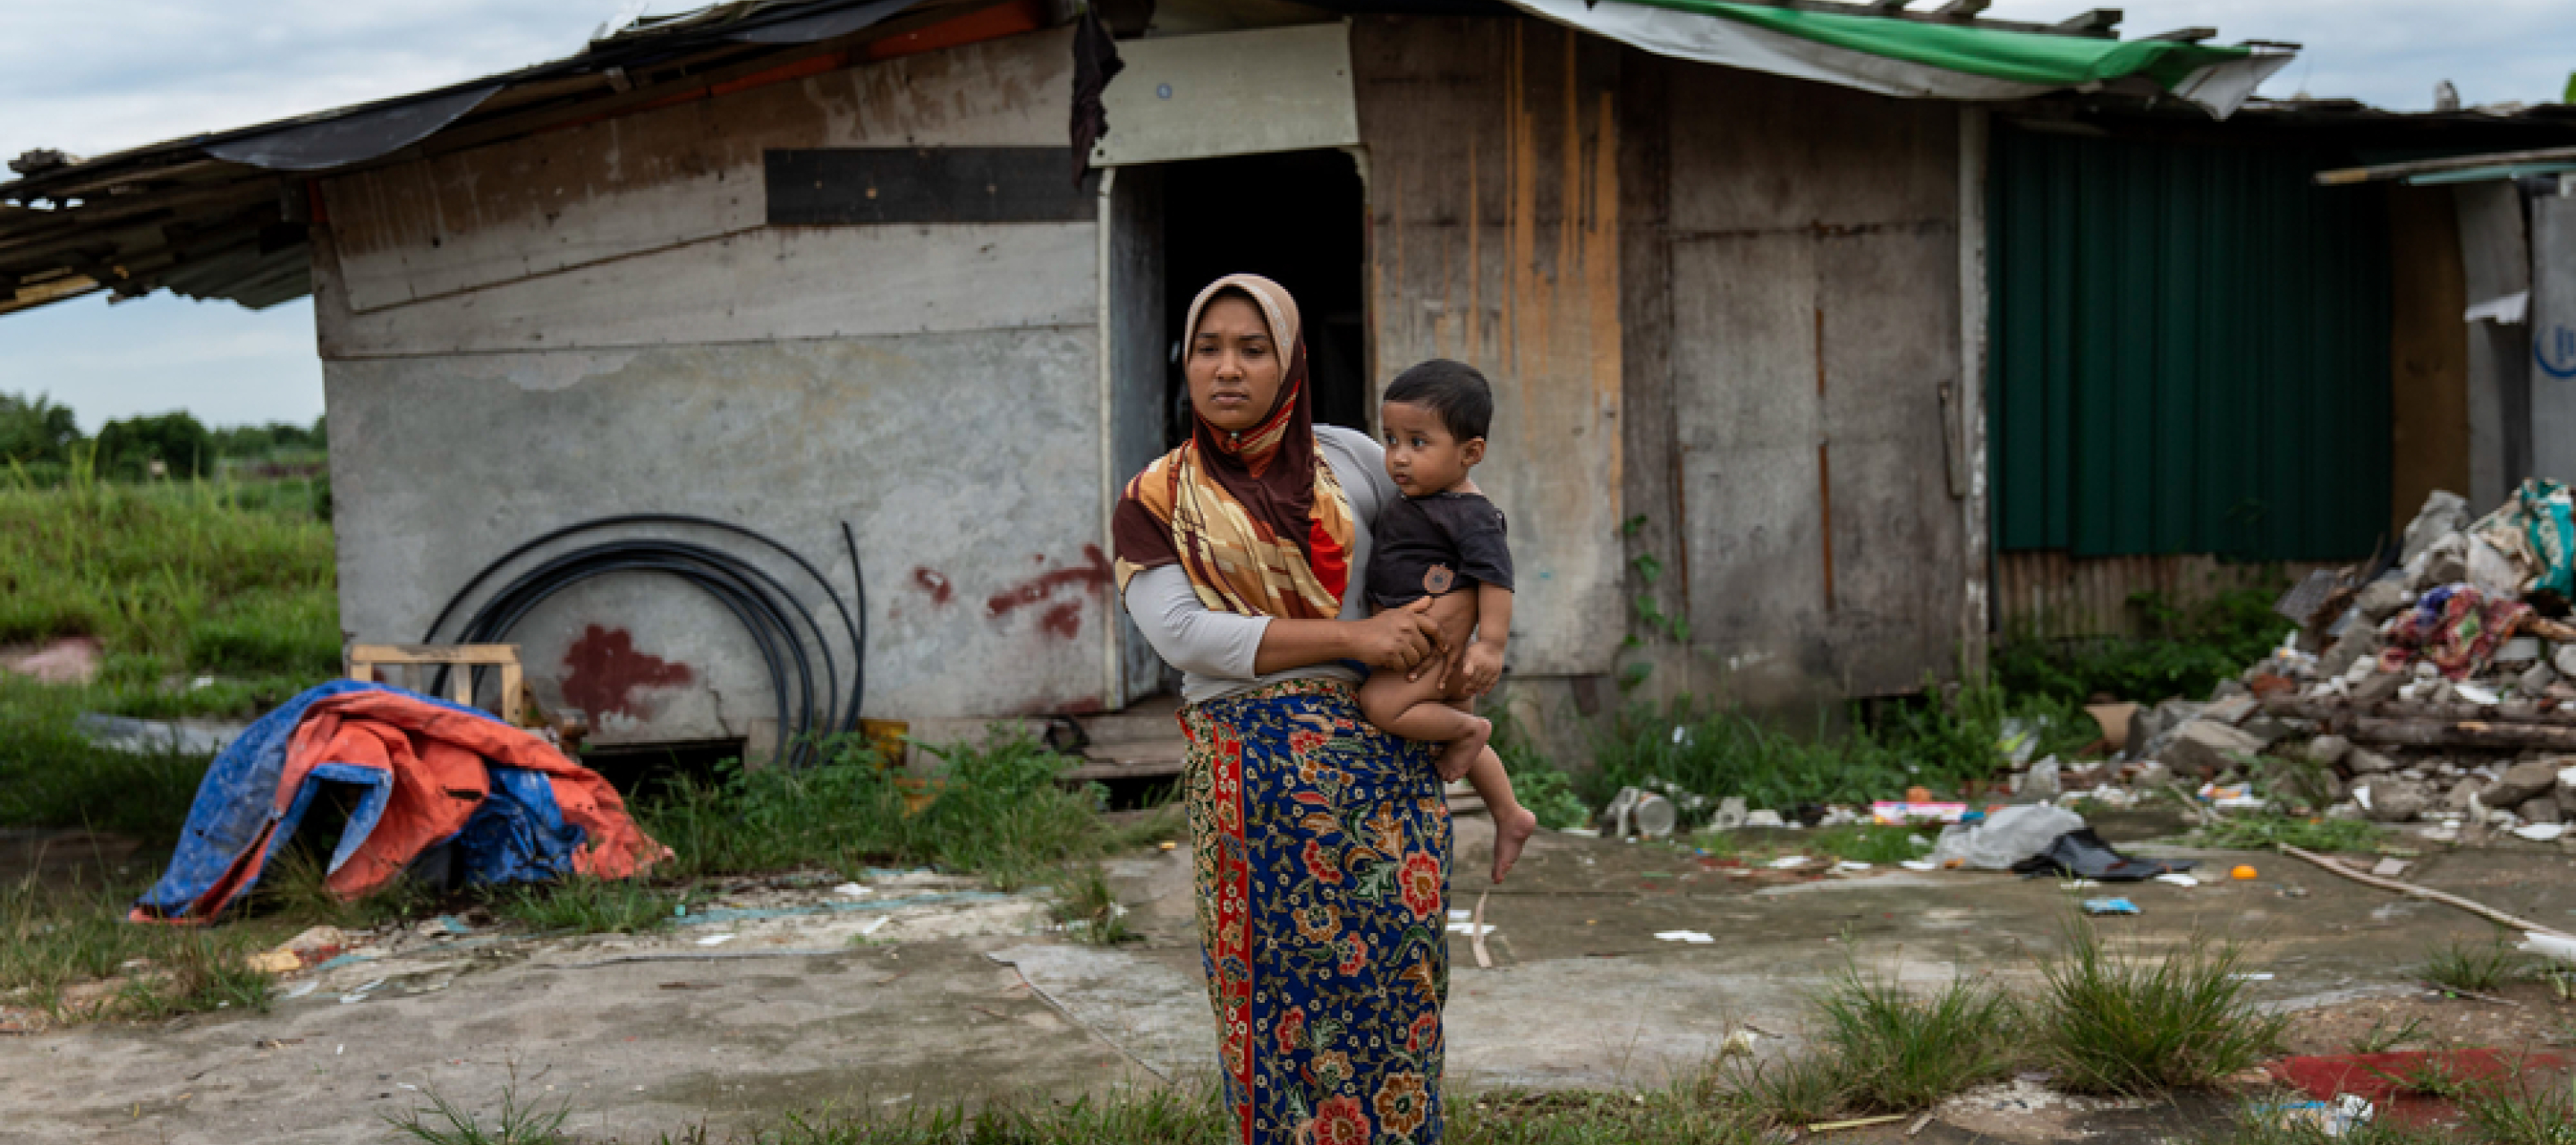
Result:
x=588 y=906
x=2475 y=966
x=999 y=812
x=2132 y=1024
x=1869 y=843
x=1088 y=908
x=2259 y=832
x=1897 y=1052
x=2183 y=651
x=2265 y=1123
x=54 y=941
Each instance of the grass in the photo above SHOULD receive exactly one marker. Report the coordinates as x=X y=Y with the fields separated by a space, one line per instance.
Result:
x=2516 y=1114
x=1897 y=1052
x=2255 y=832
x=2478 y=967
x=1089 y=910
x=2182 y=651
x=585 y=905
x=2263 y=1123
x=55 y=940
x=443 y=1123
x=2379 y=1039
x=1868 y=843
x=999 y=813
x=2112 y=1023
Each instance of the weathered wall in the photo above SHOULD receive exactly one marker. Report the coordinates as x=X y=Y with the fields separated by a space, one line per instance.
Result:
x=596 y=321
x=2428 y=352
x=1812 y=240
x=2553 y=337
x=1494 y=240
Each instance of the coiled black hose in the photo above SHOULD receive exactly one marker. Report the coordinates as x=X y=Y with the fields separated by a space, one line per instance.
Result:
x=785 y=632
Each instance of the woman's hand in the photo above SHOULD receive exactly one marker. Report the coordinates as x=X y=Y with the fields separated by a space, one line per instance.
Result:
x=1398 y=639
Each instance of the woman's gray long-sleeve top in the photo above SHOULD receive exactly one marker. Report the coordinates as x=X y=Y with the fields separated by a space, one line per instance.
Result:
x=1215 y=650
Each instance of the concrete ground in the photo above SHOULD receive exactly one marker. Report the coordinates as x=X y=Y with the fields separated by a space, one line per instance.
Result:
x=921 y=990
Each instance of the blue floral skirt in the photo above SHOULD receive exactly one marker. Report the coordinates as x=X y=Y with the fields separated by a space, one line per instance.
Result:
x=1322 y=847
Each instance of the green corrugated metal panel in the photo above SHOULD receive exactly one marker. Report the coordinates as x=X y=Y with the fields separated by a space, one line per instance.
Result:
x=2189 y=353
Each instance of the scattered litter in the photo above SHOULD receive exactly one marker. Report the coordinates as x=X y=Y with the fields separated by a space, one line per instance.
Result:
x=1694 y=937
x=1469 y=929
x=2550 y=946
x=1848 y=866
x=301 y=989
x=2242 y=873
x=1788 y=862
x=1739 y=1044
x=2110 y=906
x=1765 y=818
x=1854 y=1123
x=1889 y=814
x=1461 y=915
x=715 y=940
x=2540 y=832
x=2252 y=976
x=2178 y=878
x=2077 y=885
x=856 y=889
x=1920 y=865
x=874 y=925
x=2389 y=867
x=2335 y=1118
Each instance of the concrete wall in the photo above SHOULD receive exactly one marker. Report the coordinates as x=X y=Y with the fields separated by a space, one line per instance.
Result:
x=1811 y=525
x=2553 y=337
x=597 y=321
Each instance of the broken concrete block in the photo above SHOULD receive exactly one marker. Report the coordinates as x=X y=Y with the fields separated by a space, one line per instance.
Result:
x=2522 y=781
x=2389 y=801
x=2381 y=598
x=2378 y=686
x=2154 y=773
x=2540 y=809
x=2444 y=513
x=2536 y=680
x=2471 y=788
x=2359 y=644
x=2206 y=747
x=2230 y=711
x=2229 y=689
x=2447 y=562
x=2328 y=750
x=2564 y=659
x=2268 y=730
x=2363 y=761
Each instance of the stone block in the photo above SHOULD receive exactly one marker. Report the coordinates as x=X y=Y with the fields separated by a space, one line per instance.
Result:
x=2540 y=809
x=2536 y=679
x=2328 y=750
x=2205 y=748
x=2230 y=711
x=2522 y=781
x=2363 y=761
x=2390 y=801
x=2381 y=598
x=2378 y=686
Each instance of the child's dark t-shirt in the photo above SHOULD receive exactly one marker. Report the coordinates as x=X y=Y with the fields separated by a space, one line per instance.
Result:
x=1428 y=546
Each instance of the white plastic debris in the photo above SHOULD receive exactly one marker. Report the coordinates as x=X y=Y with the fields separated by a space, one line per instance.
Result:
x=2550 y=946
x=2540 y=832
x=1694 y=937
x=1469 y=929
x=852 y=889
x=715 y=940
x=1787 y=862
x=1920 y=865
x=1848 y=866
x=2178 y=878
x=2475 y=693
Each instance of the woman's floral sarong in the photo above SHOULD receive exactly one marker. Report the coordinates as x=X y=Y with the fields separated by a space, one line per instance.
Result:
x=1322 y=846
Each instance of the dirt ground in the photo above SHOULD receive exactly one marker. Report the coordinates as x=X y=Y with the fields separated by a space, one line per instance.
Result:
x=920 y=989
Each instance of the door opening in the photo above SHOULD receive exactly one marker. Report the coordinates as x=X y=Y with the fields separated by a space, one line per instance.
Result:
x=1299 y=218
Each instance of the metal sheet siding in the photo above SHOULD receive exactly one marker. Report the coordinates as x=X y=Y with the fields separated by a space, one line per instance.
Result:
x=2190 y=351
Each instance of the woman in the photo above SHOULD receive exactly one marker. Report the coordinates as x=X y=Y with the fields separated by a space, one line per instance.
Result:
x=1322 y=844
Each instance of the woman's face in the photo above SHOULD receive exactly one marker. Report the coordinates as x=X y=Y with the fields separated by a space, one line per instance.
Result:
x=1233 y=366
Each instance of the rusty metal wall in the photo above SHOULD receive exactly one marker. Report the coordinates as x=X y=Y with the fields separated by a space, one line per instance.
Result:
x=2053 y=595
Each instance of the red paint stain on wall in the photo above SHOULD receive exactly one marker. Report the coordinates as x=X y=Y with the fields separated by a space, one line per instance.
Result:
x=934 y=584
x=606 y=671
x=1063 y=619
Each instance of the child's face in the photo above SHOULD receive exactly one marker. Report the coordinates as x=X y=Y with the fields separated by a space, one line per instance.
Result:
x=1421 y=454
x=1234 y=368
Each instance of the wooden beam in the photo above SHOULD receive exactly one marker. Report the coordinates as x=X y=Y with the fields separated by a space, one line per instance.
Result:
x=2098 y=22
x=2344 y=176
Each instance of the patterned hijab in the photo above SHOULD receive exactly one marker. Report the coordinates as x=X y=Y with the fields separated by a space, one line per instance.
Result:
x=1257 y=522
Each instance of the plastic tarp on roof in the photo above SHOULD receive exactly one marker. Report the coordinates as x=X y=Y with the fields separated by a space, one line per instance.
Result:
x=1915 y=59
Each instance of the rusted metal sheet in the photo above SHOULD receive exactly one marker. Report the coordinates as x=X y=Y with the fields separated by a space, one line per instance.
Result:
x=1494 y=215
x=2051 y=595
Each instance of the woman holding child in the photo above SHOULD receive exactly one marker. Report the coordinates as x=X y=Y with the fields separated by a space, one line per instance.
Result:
x=1321 y=842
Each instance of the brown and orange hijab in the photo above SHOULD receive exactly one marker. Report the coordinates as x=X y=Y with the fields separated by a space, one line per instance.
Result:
x=1255 y=519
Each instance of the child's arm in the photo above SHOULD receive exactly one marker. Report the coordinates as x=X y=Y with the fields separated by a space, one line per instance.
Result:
x=1484 y=665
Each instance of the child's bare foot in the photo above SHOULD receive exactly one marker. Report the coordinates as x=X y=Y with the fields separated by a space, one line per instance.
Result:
x=1461 y=753
x=1512 y=831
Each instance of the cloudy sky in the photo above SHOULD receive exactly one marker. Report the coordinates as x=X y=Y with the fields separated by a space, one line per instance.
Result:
x=102 y=75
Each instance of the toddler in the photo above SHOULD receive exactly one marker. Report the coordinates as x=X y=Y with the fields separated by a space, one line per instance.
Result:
x=1445 y=540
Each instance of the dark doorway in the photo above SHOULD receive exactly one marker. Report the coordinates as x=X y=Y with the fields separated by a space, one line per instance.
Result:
x=1298 y=218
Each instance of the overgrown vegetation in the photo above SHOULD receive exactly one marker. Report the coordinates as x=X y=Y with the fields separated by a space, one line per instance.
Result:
x=1866 y=843
x=2260 y=832
x=1897 y=1052
x=588 y=906
x=2186 y=651
x=2133 y=1024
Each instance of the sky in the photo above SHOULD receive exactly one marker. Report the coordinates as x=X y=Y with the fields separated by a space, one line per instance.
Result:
x=104 y=75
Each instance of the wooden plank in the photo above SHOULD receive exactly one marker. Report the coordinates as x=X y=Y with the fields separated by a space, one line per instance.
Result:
x=434 y=653
x=1231 y=93
x=846 y=186
x=1494 y=216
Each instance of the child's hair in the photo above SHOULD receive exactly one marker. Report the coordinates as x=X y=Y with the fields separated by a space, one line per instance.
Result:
x=1452 y=391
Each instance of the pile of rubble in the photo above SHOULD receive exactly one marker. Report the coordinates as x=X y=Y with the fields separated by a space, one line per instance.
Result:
x=2438 y=686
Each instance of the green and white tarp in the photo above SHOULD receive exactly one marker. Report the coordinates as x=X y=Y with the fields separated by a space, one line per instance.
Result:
x=1915 y=59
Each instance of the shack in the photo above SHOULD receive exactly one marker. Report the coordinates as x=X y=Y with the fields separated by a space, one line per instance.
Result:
x=1810 y=322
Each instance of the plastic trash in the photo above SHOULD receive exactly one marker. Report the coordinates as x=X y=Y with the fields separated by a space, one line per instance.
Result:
x=1694 y=937
x=2084 y=854
x=1654 y=815
x=2004 y=838
x=2110 y=906
x=1730 y=813
x=1892 y=814
x=2335 y=1118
